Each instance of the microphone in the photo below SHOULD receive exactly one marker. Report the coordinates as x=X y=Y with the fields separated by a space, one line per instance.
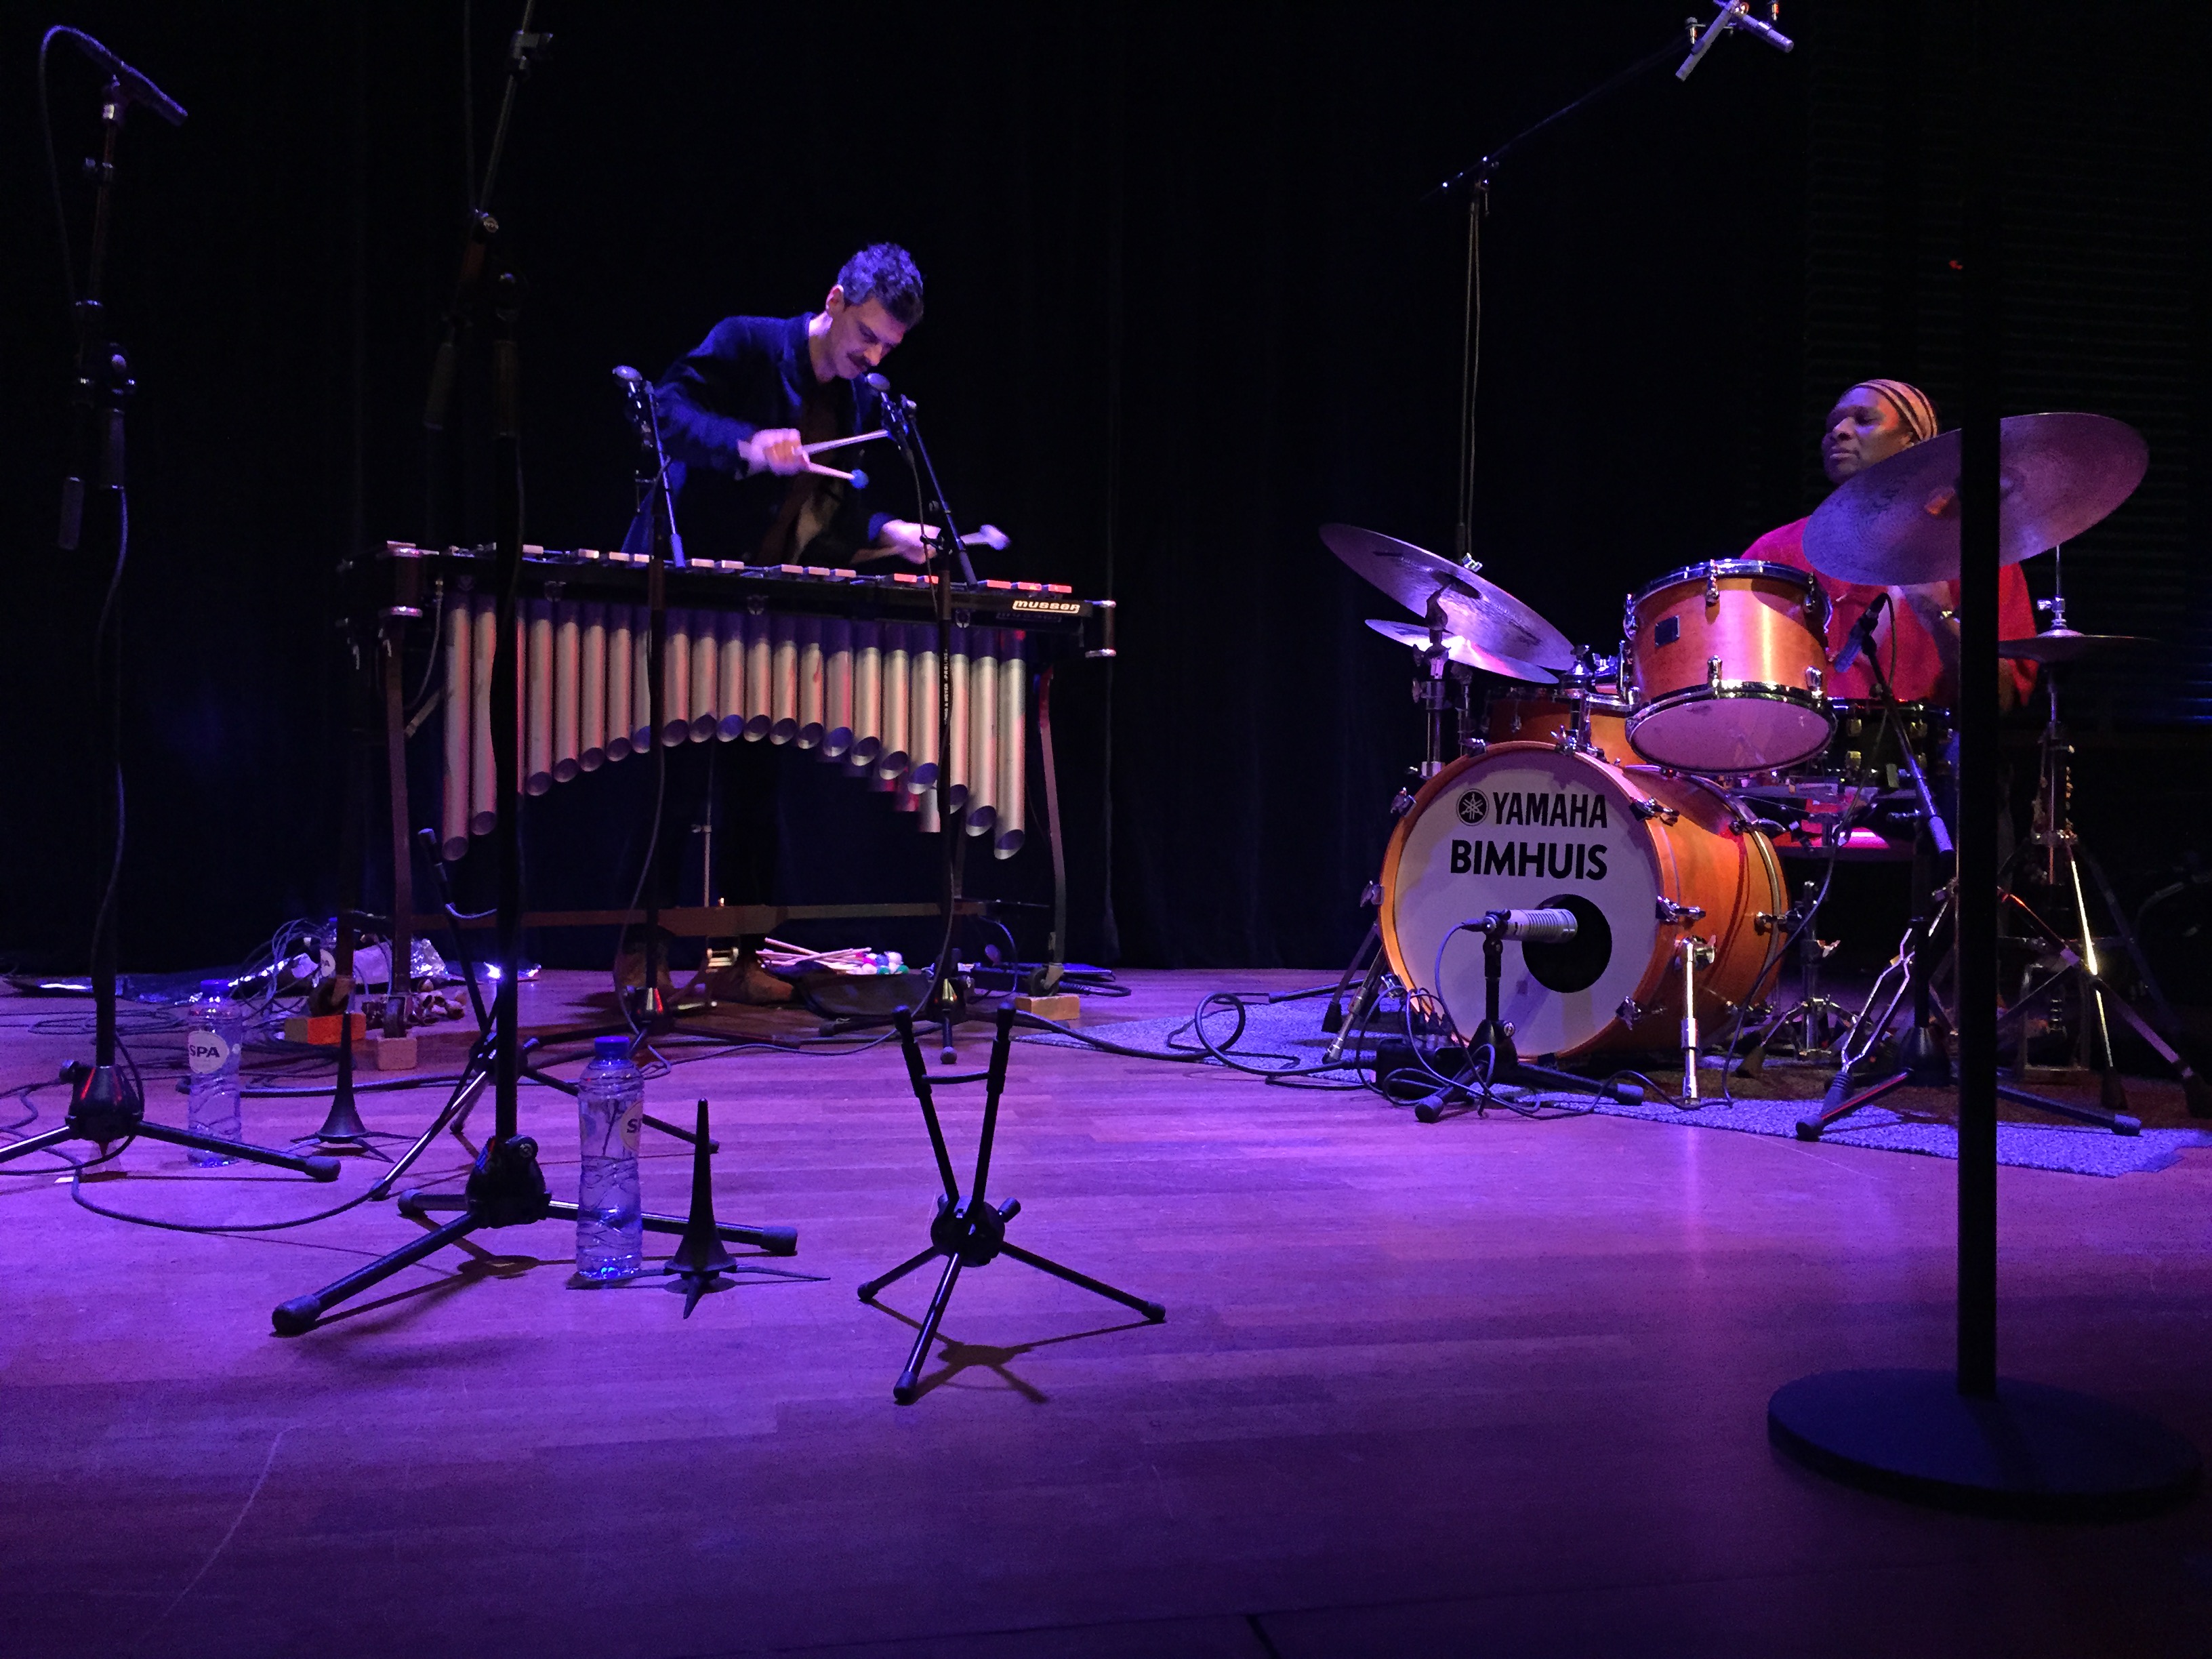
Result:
x=1734 y=15
x=881 y=385
x=1861 y=633
x=627 y=375
x=1531 y=927
x=136 y=87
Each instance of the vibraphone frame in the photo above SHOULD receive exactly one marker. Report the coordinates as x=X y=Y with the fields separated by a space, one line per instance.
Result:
x=406 y=583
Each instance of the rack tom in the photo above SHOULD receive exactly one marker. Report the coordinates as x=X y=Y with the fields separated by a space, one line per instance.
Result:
x=1515 y=713
x=1727 y=670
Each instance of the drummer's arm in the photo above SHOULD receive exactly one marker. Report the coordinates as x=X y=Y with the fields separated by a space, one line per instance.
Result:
x=1933 y=605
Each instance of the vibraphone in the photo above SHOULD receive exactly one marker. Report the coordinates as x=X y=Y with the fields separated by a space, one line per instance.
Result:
x=839 y=662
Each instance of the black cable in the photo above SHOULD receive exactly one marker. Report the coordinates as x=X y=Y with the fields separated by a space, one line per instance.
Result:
x=53 y=169
x=421 y=700
x=102 y=666
x=77 y=1192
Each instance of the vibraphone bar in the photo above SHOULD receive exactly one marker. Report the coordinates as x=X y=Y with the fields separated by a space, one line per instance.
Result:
x=836 y=661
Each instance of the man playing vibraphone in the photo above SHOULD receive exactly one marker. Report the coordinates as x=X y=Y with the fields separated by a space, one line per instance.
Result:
x=736 y=412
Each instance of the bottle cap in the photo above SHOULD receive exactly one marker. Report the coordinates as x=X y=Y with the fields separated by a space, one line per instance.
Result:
x=215 y=988
x=611 y=1047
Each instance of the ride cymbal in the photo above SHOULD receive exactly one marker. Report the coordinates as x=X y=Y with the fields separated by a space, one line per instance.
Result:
x=1897 y=522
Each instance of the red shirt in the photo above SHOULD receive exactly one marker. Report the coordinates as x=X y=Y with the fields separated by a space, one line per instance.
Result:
x=1908 y=655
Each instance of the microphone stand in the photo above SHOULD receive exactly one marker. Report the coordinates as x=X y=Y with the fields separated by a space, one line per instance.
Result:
x=948 y=1004
x=1474 y=181
x=661 y=544
x=1495 y=1036
x=106 y=1105
x=505 y=1187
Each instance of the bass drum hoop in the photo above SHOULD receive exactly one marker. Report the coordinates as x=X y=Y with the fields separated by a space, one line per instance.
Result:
x=1655 y=1021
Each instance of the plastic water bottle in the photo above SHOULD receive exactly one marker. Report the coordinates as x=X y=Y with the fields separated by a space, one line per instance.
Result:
x=610 y=1107
x=214 y=1036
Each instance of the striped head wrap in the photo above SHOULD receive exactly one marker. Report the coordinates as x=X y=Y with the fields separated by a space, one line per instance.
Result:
x=1914 y=407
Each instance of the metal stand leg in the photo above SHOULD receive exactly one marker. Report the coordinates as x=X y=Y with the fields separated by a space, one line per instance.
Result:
x=970 y=1232
x=104 y=1115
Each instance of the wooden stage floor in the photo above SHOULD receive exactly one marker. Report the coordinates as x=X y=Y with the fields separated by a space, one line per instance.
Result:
x=1489 y=1387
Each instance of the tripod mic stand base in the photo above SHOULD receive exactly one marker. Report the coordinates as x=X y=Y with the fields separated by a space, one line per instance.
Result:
x=2028 y=1451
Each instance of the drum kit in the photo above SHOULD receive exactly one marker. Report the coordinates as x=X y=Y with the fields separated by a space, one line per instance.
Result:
x=1652 y=793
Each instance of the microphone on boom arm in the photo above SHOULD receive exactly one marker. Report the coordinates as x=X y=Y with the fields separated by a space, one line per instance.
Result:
x=135 y=88
x=1734 y=15
x=1861 y=633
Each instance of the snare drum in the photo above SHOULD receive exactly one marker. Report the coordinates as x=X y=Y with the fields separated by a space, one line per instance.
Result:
x=1642 y=857
x=1729 y=660
x=1868 y=752
x=1515 y=713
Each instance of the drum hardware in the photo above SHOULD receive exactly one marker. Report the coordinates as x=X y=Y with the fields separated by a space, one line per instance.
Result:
x=1495 y=1034
x=1925 y=1062
x=1440 y=681
x=1923 y=1059
x=1816 y=1019
x=2055 y=857
x=1578 y=716
x=1691 y=953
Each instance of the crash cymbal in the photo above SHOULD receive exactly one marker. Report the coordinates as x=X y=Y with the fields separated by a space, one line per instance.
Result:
x=1460 y=650
x=1481 y=613
x=2064 y=645
x=1897 y=522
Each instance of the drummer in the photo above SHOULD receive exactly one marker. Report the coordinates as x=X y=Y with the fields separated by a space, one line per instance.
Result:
x=1916 y=639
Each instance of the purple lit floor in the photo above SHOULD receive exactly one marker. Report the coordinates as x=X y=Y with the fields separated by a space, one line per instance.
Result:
x=1489 y=1387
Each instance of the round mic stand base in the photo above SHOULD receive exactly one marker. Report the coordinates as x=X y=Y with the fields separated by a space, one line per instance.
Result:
x=2027 y=1452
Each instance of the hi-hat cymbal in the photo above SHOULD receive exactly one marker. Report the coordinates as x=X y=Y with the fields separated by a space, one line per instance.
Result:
x=2064 y=645
x=1460 y=651
x=1481 y=613
x=1897 y=522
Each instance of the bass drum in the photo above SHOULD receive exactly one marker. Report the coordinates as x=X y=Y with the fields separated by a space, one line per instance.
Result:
x=1642 y=857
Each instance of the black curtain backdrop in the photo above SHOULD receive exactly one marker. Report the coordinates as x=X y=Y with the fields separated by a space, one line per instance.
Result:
x=1189 y=299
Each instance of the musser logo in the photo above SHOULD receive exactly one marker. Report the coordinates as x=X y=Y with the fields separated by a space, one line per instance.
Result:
x=1472 y=808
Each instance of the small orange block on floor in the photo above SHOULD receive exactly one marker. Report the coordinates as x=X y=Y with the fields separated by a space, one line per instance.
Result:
x=322 y=1029
x=1063 y=1006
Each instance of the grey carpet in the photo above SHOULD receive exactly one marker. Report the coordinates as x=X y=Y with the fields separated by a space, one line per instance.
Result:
x=1289 y=1036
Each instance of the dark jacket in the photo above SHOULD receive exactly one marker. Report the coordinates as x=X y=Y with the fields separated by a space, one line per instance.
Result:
x=750 y=375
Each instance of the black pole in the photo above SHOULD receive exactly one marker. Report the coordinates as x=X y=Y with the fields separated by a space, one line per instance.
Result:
x=1964 y=1439
x=506 y=704
x=96 y=400
x=1982 y=373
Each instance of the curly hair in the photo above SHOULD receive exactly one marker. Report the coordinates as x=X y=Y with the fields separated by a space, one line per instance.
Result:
x=885 y=273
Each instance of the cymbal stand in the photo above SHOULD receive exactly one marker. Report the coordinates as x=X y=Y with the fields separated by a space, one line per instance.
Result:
x=1923 y=1060
x=1817 y=1020
x=2056 y=859
x=1440 y=688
